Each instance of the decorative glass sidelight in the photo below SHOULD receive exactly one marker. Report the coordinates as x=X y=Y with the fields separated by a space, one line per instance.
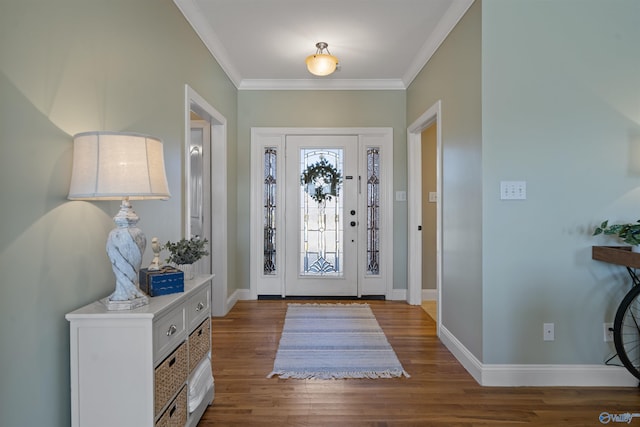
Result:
x=321 y=217
x=269 y=209
x=373 y=211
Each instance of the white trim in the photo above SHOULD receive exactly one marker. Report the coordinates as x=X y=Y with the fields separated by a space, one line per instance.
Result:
x=461 y=353
x=452 y=16
x=538 y=375
x=195 y=17
x=429 y=295
x=200 y=25
x=414 y=198
x=263 y=137
x=557 y=375
x=219 y=194
x=397 y=295
x=324 y=84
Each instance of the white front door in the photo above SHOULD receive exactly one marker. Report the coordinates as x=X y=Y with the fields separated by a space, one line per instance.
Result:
x=321 y=212
x=321 y=215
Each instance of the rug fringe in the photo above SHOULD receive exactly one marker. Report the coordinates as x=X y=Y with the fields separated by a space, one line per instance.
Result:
x=308 y=375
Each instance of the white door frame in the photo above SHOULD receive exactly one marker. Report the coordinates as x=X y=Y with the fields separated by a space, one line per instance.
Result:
x=261 y=284
x=414 y=197
x=218 y=185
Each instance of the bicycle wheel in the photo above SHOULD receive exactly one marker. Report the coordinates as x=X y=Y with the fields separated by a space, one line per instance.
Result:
x=626 y=331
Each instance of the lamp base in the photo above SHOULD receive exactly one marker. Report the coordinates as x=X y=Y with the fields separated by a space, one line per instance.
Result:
x=125 y=246
x=125 y=305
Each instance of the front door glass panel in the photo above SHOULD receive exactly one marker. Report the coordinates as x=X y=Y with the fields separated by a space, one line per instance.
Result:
x=321 y=212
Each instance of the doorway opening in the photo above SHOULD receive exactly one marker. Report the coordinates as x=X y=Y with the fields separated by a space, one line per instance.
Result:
x=431 y=117
x=205 y=189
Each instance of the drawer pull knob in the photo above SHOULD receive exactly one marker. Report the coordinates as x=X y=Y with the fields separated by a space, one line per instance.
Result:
x=200 y=306
x=172 y=330
x=172 y=362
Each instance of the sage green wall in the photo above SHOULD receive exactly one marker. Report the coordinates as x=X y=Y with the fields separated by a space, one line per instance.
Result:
x=322 y=109
x=68 y=66
x=561 y=110
x=453 y=75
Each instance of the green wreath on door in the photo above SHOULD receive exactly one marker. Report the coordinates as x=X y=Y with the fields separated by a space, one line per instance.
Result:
x=321 y=181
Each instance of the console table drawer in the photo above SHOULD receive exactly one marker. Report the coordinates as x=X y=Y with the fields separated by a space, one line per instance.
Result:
x=176 y=413
x=198 y=307
x=168 y=331
x=199 y=344
x=169 y=376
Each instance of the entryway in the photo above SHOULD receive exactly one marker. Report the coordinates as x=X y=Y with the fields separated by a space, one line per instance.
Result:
x=322 y=212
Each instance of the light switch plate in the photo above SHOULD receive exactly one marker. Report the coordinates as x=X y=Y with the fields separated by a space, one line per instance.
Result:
x=513 y=190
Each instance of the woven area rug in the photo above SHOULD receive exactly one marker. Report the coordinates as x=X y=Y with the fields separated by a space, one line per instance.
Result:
x=330 y=341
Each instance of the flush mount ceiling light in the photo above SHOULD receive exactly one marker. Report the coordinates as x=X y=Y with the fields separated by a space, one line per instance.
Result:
x=322 y=63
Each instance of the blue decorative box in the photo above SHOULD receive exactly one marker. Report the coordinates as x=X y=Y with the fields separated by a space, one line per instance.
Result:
x=167 y=280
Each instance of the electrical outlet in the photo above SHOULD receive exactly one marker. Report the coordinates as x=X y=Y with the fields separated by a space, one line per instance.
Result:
x=608 y=331
x=548 y=332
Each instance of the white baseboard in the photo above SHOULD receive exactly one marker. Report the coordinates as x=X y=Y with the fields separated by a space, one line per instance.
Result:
x=401 y=295
x=460 y=352
x=397 y=295
x=557 y=375
x=429 y=294
x=536 y=375
x=237 y=295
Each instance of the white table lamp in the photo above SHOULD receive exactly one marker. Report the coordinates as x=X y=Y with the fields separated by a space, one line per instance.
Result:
x=120 y=166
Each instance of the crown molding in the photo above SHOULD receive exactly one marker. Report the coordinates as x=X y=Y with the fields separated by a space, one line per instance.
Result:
x=322 y=84
x=450 y=19
x=194 y=16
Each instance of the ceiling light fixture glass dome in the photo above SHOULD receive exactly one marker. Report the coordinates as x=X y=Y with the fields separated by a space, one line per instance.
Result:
x=321 y=63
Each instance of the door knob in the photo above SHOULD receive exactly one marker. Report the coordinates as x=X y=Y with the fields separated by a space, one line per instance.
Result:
x=353 y=223
x=353 y=212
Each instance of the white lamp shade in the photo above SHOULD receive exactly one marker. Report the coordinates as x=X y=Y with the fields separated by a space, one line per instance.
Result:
x=114 y=165
x=321 y=64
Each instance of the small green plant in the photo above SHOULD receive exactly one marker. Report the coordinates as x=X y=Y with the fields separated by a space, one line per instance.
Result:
x=628 y=233
x=186 y=251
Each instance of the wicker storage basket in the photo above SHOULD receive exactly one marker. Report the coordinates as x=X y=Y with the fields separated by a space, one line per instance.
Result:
x=169 y=376
x=176 y=413
x=199 y=344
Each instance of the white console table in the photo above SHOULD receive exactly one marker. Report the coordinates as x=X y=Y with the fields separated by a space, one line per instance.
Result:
x=134 y=367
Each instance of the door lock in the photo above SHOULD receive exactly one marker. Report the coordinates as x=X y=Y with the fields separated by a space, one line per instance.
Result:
x=352 y=212
x=353 y=223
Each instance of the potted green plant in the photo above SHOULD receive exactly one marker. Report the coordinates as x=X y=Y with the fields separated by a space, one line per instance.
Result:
x=628 y=233
x=185 y=252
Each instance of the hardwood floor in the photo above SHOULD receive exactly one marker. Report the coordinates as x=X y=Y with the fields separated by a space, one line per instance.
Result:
x=439 y=393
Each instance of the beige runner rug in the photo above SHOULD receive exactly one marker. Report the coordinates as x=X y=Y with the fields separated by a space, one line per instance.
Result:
x=331 y=341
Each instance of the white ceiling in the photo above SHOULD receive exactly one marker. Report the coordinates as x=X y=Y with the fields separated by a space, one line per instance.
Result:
x=380 y=44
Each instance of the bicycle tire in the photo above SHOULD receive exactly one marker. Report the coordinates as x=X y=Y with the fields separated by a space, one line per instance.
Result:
x=626 y=331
